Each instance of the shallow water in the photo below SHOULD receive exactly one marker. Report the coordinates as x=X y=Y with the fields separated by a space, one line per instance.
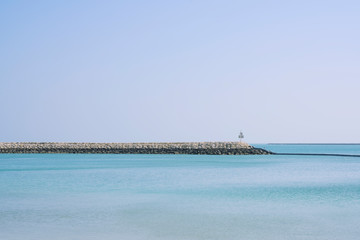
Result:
x=64 y=196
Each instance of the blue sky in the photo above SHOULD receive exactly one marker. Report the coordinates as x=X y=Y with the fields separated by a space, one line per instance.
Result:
x=134 y=71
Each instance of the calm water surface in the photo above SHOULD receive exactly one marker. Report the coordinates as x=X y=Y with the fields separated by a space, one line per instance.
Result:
x=64 y=196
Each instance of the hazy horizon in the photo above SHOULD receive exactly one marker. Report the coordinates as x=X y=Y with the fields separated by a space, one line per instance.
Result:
x=160 y=71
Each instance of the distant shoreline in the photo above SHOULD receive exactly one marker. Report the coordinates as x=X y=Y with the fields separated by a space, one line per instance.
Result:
x=313 y=143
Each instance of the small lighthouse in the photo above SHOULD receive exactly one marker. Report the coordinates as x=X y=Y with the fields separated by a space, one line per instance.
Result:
x=241 y=135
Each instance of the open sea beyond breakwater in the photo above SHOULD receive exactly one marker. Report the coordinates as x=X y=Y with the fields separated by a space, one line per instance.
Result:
x=188 y=197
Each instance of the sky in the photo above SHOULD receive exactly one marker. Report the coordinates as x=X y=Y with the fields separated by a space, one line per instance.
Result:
x=170 y=71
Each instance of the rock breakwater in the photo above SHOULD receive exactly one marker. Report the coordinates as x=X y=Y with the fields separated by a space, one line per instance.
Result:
x=205 y=148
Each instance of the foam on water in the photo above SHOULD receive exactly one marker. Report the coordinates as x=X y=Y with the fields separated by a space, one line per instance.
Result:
x=57 y=196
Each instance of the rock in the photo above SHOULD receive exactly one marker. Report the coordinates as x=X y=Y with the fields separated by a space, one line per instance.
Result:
x=206 y=148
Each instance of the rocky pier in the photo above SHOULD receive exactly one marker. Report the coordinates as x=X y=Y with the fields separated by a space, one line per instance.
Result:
x=204 y=148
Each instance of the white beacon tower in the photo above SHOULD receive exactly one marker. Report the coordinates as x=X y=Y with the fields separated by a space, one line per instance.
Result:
x=241 y=136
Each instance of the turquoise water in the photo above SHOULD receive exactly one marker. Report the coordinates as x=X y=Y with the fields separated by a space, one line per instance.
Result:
x=314 y=148
x=59 y=196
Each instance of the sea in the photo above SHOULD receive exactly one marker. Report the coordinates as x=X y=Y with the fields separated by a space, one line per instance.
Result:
x=182 y=197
